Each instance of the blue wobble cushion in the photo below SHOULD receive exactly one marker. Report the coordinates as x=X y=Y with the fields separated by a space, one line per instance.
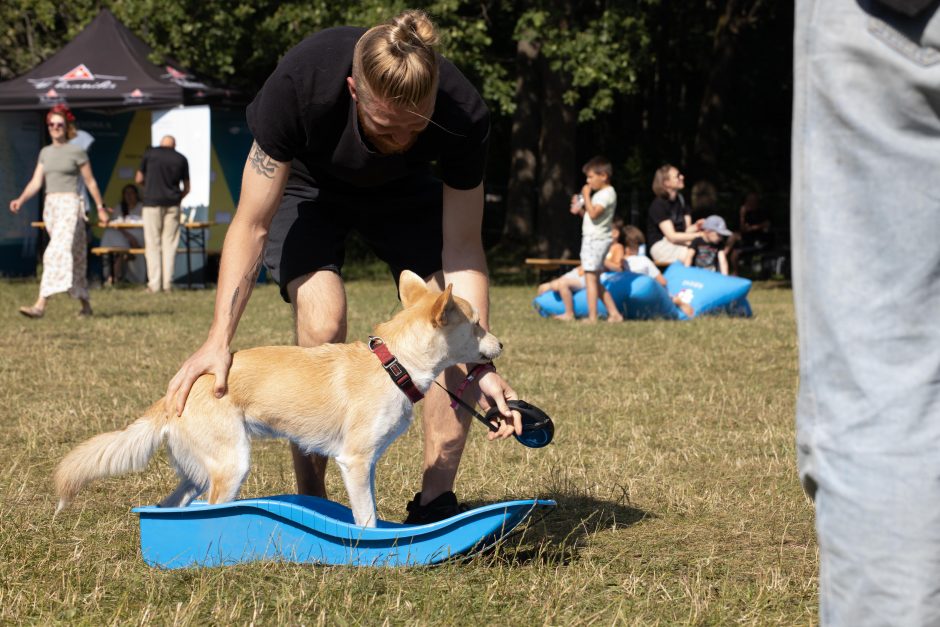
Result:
x=709 y=292
x=638 y=297
x=295 y=528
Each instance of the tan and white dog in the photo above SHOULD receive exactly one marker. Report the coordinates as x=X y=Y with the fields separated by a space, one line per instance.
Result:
x=335 y=399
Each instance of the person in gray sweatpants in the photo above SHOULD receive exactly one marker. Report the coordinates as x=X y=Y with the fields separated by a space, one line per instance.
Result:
x=866 y=277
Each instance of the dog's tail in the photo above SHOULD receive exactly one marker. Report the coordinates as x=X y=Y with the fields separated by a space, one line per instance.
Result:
x=109 y=454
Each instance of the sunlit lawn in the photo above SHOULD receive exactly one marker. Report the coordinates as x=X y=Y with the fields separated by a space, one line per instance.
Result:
x=673 y=467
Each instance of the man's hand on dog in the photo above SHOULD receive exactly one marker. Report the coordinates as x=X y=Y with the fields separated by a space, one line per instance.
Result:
x=494 y=388
x=209 y=359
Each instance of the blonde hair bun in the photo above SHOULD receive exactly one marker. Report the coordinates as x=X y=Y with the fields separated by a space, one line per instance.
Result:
x=397 y=60
x=412 y=28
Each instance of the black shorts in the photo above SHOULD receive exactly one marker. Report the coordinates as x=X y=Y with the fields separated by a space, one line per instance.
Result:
x=401 y=224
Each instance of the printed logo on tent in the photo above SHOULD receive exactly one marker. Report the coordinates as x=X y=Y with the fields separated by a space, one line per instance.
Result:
x=78 y=73
x=51 y=97
x=79 y=77
x=182 y=78
x=136 y=97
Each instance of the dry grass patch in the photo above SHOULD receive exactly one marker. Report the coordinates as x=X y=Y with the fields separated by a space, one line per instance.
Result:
x=673 y=466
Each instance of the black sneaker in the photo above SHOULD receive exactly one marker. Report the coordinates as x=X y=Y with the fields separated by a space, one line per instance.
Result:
x=442 y=507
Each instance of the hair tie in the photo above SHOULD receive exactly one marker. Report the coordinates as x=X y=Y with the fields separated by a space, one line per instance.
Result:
x=64 y=111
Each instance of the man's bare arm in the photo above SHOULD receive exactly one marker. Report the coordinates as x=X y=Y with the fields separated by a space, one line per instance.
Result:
x=464 y=264
x=263 y=184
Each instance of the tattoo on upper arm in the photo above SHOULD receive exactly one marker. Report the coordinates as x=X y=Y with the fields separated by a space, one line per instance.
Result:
x=261 y=163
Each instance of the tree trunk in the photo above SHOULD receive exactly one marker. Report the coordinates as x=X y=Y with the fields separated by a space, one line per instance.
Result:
x=738 y=15
x=522 y=195
x=559 y=232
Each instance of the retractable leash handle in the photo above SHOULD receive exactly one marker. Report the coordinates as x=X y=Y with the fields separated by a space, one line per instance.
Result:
x=537 y=428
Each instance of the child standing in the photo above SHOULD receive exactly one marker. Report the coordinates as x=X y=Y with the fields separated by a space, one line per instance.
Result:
x=707 y=251
x=572 y=281
x=596 y=203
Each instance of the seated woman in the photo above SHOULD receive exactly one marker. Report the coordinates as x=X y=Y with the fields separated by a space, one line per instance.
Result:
x=573 y=280
x=669 y=221
x=126 y=266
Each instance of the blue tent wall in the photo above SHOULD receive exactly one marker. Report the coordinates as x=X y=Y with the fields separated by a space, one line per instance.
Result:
x=21 y=135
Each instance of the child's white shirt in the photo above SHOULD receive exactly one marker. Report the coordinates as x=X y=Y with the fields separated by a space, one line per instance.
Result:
x=600 y=228
x=641 y=264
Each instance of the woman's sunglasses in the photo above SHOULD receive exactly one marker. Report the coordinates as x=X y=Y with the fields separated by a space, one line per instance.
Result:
x=55 y=125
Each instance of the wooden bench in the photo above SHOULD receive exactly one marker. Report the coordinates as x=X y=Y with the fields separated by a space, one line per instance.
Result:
x=121 y=250
x=550 y=264
x=108 y=250
x=540 y=264
x=118 y=250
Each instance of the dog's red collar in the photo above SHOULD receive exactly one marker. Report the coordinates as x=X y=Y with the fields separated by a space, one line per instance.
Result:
x=394 y=369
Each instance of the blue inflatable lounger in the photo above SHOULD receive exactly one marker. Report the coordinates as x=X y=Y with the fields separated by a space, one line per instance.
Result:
x=307 y=529
x=639 y=297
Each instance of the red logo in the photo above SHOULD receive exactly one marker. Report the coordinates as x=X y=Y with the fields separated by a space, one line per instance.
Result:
x=174 y=73
x=79 y=73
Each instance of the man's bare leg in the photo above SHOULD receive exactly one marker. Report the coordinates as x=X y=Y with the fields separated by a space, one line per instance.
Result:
x=319 y=303
x=445 y=433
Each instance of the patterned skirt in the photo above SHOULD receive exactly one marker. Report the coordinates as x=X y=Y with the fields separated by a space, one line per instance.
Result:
x=64 y=264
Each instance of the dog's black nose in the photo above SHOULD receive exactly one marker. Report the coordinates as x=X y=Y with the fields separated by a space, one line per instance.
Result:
x=500 y=346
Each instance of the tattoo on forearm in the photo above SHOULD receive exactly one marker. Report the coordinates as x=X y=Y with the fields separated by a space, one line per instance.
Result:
x=248 y=280
x=261 y=163
x=252 y=274
x=231 y=311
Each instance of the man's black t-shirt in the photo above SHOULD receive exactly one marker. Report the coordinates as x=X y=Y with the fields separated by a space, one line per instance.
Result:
x=164 y=169
x=664 y=209
x=305 y=114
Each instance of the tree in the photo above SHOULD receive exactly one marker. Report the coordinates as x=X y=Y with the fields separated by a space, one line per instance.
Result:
x=33 y=30
x=734 y=19
x=641 y=81
x=574 y=60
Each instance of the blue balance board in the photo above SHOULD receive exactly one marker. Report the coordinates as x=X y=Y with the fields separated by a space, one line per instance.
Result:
x=307 y=529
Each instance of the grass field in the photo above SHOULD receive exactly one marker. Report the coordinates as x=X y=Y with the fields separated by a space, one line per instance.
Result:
x=673 y=466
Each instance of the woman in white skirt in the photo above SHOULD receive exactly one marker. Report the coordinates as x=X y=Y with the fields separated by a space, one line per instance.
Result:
x=65 y=260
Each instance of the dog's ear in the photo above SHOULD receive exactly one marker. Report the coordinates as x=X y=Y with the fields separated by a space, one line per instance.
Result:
x=443 y=304
x=411 y=287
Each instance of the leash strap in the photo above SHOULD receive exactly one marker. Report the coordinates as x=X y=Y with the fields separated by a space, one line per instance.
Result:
x=473 y=412
x=394 y=369
x=477 y=371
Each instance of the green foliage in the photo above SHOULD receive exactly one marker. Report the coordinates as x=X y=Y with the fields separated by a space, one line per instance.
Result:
x=599 y=51
x=468 y=40
x=33 y=30
x=635 y=70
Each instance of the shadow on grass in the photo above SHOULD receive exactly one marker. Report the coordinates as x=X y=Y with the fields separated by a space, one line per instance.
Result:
x=563 y=533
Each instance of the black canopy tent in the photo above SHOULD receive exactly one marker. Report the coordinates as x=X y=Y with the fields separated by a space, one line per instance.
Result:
x=107 y=67
x=105 y=74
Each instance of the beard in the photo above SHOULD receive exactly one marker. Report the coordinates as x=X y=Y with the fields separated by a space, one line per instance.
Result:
x=381 y=144
x=386 y=147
